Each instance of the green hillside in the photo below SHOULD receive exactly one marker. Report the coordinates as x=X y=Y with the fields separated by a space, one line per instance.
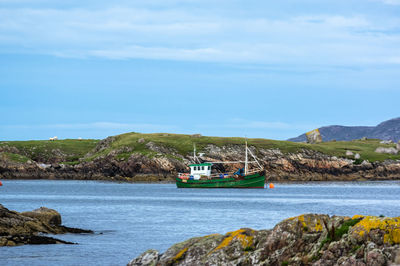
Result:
x=72 y=149
x=129 y=143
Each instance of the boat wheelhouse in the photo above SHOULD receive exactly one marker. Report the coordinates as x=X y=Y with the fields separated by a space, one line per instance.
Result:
x=200 y=170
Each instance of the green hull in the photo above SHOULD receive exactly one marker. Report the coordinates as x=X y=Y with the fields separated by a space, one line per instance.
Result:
x=250 y=181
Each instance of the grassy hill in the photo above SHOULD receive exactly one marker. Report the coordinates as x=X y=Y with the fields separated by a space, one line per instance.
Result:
x=72 y=150
x=42 y=150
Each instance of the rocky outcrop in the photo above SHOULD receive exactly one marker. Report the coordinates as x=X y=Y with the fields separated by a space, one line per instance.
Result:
x=314 y=136
x=390 y=150
x=125 y=165
x=349 y=153
x=28 y=227
x=156 y=160
x=45 y=215
x=309 y=239
x=386 y=142
x=311 y=166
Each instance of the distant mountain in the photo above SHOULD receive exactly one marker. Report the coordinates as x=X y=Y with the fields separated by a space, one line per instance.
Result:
x=388 y=130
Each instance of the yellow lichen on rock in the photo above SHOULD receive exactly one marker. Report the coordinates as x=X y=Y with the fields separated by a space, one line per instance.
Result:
x=309 y=221
x=318 y=226
x=245 y=240
x=390 y=226
x=180 y=254
x=301 y=219
x=394 y=236
x=241 y=235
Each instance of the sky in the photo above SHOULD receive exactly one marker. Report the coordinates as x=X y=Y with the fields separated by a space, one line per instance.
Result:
x=265 y=69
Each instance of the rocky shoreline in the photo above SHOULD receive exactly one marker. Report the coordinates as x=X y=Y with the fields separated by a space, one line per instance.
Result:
x=27 y=228
x=310 y=239
x=161 y=163
x=304 y=166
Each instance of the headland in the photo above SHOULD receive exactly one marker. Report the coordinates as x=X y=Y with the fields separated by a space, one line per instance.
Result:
x=136 y=157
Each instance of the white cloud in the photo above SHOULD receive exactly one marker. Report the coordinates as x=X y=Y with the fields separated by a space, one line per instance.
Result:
x=179 y=34
x=97 y=126
x=206 y=54
x=390 y=2
x=250 y=124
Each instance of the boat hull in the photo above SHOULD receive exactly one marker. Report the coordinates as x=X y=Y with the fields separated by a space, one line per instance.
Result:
x=251 y=181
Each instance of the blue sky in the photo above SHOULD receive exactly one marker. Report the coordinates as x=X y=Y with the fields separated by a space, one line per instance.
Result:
x=269 y=69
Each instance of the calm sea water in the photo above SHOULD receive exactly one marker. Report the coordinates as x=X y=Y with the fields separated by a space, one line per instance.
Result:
x=131 y=218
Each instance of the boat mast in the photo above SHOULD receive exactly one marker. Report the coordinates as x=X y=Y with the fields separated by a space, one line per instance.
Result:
x=194 y=152
x=195 y=159
x=246 y=161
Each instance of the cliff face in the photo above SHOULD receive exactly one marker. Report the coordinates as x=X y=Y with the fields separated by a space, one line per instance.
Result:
x=309 y=239
x=160 y=158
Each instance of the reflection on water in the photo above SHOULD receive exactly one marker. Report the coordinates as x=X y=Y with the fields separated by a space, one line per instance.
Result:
x=131 y=218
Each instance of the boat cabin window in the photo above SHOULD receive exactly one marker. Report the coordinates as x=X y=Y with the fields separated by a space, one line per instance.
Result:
x=202 y=168
x=209 y=167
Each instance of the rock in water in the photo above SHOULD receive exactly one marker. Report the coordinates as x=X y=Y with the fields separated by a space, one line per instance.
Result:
x=314 y=136
x=45 y=215
x=398 y=145
x=309 y=239
x=28 y=227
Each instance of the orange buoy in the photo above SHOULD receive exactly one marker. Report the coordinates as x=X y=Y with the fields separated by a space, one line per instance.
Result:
x=1 y=184
x=271 y=185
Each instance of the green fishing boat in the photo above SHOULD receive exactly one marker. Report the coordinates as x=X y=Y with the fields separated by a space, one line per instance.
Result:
x=201 y=175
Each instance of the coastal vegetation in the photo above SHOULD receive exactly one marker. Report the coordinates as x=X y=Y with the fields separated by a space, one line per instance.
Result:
x=127 y=144
x=136 y=157
x=183 y=144
x=45 y=150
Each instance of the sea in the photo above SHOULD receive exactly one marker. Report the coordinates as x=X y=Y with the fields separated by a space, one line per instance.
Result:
x=129 y=218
